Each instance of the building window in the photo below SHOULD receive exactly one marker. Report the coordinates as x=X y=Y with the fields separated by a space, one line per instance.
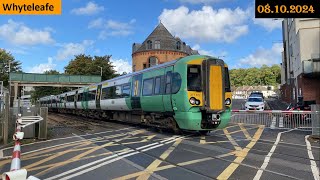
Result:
x=149 y=44
x=153 y=61
x=134 y=68
x=144 y=65
x=178 y=45
x=157 y=44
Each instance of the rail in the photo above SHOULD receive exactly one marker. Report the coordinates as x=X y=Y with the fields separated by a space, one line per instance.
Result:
x=16 y=173
x=276 y=118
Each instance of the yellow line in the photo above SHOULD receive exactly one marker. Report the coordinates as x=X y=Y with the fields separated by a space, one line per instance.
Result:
x=133 y=175
x=203 y=140
x=73 y=160
x=241 y=156
x=145 y=174
x=150 y=169
x=233 y=142
x=245 y=132
x=78 y=157
x=233 y=132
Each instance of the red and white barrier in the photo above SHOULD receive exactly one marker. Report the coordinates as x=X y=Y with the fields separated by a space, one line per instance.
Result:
x=15 y=172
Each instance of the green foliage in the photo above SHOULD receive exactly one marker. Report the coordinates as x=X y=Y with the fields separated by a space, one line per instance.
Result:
x=42 y=91
x=5 y=59
x=87 y=65
x=256 y=76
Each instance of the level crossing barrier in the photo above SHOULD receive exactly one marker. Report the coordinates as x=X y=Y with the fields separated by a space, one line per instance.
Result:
x=276 y=118
x=16 y=173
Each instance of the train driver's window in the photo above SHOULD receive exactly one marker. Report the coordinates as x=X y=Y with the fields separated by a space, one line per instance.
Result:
x=194 y=78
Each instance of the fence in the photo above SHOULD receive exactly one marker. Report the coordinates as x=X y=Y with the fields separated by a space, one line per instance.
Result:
x=277 y=119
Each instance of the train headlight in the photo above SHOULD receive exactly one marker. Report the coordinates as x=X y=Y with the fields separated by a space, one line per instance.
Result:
x=197 y=102
x=192 y=100
x=228 y=101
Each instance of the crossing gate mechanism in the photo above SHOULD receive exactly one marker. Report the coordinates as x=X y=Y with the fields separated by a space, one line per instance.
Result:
x=16 y=173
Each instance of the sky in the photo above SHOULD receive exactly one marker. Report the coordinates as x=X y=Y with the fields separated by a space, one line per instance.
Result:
x=223 y=28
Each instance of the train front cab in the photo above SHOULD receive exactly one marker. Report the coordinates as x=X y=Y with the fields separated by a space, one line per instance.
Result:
x=208 y=94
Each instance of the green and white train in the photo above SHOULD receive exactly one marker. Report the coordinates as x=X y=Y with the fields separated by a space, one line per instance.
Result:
x=191 y=93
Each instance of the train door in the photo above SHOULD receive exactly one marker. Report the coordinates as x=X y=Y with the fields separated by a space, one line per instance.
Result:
x=84 y=102
x=135 y=92
x=65 y=101
x=98 y=94
x=75 y=99
x=166 y=98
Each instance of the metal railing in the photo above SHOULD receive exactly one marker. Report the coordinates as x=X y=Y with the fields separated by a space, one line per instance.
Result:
x=275 y=118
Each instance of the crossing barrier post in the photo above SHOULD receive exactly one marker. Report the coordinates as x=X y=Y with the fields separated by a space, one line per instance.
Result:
x=16 y=173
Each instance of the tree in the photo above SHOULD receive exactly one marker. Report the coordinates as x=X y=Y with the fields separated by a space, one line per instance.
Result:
x=264 y=75
x=6 y=58
x=87 y=65
x=42 y=91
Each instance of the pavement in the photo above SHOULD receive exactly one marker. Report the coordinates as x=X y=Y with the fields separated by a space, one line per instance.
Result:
x=240 y=151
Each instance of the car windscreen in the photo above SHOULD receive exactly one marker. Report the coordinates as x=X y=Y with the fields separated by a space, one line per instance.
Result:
x=255 y=100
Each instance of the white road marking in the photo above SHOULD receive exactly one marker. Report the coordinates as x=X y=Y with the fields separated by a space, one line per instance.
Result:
x=113 y=158
x=314 y=169
x=267 y=158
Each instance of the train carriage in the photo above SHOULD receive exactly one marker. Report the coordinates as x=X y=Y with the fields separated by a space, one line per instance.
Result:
x=191 y=93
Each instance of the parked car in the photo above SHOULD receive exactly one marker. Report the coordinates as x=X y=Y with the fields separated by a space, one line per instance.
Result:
x=255 y=103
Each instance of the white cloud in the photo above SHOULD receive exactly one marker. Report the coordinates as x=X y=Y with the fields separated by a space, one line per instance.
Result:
x=263 y=56
x=89 y=9
x=41 y=68
x=97 y=23
x=112 y=28
x=201 y=1
x=19 y=34
x=70 y=49
x=121 y=65
x=207 y=24
x=209 y=52
x=268 y=24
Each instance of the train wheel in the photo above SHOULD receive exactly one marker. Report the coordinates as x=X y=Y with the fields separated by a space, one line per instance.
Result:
x=174 y=126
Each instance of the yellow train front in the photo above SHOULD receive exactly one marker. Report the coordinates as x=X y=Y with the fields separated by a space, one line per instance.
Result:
x=205 y=103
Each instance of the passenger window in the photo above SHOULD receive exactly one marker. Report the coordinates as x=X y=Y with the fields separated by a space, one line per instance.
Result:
x=176 y=82
x=168 y=82
x=147 y=87
x=126 y=90
x=157 y=86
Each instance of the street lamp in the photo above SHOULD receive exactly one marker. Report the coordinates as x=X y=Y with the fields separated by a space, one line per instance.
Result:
x=100 y=70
